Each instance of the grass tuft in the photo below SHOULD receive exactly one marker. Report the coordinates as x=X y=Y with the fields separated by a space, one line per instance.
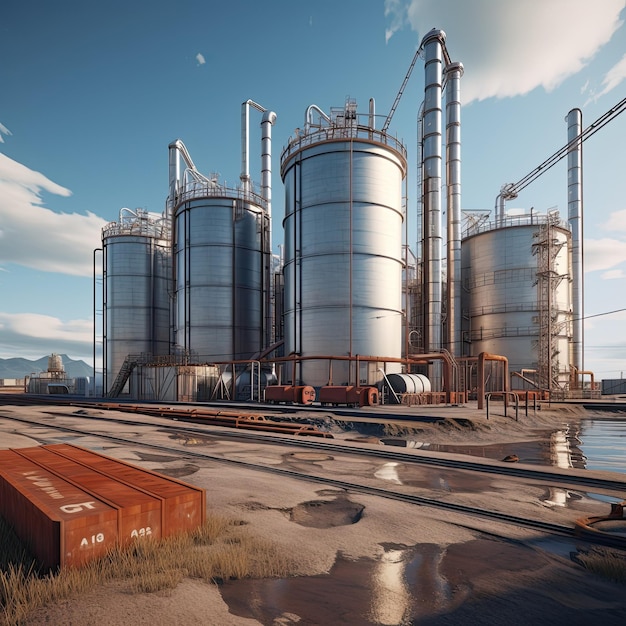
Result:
x=221 y=549
x=604 y=562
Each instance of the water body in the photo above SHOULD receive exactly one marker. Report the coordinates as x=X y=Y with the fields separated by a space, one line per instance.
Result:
x=593 y=444
x=601 y=443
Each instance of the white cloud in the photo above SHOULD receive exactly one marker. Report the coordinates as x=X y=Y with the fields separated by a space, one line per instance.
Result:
x=514 y=47
x=616 y=222
x=4 y=131
x=604 y=254
x=396 y=13
x=200 y=58
x=613 y=274
x=34 y=335
x=613 y=78
x=37 y=237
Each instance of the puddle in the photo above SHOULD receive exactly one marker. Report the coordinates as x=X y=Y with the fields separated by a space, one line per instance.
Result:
x=326 y=513
x=532 y=452
x=404 y=585
x=389 y=472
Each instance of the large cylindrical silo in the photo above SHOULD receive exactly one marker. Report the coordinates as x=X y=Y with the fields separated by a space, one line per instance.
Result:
x=220 y=239
x=516 y=295
x=343 y=242
x=137 y=288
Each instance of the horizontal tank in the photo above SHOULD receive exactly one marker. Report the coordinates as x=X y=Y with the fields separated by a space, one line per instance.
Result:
x=409 y=383
x=515 y=279
x=221 y=268
x=137 y=285
x=343 y=243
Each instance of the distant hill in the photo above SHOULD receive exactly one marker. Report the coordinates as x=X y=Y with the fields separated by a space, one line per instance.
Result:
x=19 y=368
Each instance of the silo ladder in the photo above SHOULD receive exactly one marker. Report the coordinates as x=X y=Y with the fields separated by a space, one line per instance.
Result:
x=130 y=362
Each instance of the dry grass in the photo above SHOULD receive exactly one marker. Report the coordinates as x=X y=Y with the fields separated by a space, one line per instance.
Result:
x=219 y=550
x=609 y=564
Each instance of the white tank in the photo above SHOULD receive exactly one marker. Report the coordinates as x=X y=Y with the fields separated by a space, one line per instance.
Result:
x=137 y=286
x=506 y=302
x=343 y=244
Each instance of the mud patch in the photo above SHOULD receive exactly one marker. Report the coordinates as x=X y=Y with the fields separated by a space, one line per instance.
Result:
x=255 y=506
x=309 y=456
x=326 y=513
x=187 y=439
x=155 y=458
x=178 y=472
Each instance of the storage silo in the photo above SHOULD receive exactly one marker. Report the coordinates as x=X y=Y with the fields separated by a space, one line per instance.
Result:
x=136 y=286
x=516 y=293
x=222 y=254
x=220 y=250
x=343 y=242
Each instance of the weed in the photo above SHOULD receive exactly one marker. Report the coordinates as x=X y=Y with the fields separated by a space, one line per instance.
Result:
x=221 y=549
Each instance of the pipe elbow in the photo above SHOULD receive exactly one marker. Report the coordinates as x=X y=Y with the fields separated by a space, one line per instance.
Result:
x=269 y=116
x=435 y=33
x=457 y=66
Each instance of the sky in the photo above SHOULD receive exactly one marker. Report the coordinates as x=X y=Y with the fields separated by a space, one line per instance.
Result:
x=92 y=93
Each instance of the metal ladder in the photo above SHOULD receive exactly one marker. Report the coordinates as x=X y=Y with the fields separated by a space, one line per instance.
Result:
x=130 y=362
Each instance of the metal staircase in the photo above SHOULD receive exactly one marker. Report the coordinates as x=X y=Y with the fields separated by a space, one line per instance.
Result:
x=130 y=362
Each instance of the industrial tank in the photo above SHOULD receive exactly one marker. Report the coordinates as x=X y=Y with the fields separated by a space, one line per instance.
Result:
x=516 y=293
x=137 y=285
x=221 y=268
x=343 y=242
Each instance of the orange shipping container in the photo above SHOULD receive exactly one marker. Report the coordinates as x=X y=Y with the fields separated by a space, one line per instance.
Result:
x=59 y=523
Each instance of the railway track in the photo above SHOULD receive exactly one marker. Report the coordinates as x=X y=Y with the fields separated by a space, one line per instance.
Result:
x=417 y=457
x=563 y=479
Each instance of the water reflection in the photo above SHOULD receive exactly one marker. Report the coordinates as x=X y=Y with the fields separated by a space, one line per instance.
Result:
x=595 y=444
x=389 y=471
x=391 y=598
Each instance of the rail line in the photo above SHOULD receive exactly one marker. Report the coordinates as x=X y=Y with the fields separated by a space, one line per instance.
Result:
x=499 y=516
x=387 y=453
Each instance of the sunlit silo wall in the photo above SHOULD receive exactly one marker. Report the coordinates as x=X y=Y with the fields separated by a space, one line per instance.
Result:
x=343 y=243
x=220 y=237
x=137 y=288
x=516 y=293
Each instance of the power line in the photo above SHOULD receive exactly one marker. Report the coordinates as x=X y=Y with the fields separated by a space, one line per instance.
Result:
x=599 y=314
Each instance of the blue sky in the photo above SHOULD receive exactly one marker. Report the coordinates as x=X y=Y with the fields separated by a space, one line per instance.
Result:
x=92 y=93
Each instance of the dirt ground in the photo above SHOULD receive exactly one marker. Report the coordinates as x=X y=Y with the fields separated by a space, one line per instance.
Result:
x=365 y=560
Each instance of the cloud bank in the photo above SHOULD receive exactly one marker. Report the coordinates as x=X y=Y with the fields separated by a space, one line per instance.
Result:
x=607 y=253
x=515 y=47
x=33 y=335
x=37 y=237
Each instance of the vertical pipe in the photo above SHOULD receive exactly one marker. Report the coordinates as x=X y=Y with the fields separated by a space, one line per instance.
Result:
x=268 y=119
x=454 y=72
x=245 y=159
x=95 y=316
x=174 y=175
x=575 y=218
x=431 y=188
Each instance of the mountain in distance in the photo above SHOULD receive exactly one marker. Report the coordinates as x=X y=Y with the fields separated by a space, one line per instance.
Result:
x=20 y=368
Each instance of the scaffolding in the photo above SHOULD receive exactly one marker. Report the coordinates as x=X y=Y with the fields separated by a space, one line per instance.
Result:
x=548 y=280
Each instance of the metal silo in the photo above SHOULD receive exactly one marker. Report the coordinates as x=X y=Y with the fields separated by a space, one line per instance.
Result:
x=220 y=245
x=222 y=255
x=137 y=285
x=516 y=296
x=343 y=241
